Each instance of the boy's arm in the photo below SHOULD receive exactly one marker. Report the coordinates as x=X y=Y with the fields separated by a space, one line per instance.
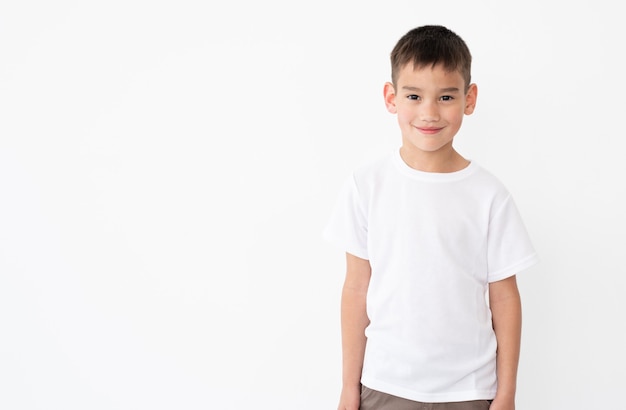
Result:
x=506 y=310
x=354 y=320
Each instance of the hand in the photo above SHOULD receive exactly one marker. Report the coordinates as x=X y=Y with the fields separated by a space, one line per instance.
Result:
x=350 y=398
x=502 y=404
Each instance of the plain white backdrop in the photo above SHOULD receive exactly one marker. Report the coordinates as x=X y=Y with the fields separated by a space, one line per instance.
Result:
x=166 y=170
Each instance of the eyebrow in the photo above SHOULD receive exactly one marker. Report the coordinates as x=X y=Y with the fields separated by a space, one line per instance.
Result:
x=443 y=90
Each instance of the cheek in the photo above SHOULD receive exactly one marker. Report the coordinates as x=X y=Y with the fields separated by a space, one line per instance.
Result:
x=455 y=116
x=404 y=115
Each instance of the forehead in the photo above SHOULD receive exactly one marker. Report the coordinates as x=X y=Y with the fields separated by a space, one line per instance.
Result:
x=426 y=75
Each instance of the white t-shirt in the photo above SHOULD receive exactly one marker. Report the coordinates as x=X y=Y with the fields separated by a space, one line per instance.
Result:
x=434 y=241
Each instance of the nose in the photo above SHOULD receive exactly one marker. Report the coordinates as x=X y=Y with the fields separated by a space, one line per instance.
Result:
x=429 y=111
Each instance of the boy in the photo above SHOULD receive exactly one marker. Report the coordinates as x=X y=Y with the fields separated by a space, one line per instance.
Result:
x=428 y=234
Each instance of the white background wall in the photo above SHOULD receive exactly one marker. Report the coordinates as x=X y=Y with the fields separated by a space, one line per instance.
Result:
x=166 y=169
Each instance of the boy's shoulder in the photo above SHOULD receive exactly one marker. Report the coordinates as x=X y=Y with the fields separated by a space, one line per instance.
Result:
x=475 y=180
x=392 y=161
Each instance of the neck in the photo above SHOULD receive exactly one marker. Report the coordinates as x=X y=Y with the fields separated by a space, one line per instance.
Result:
x=440 y=161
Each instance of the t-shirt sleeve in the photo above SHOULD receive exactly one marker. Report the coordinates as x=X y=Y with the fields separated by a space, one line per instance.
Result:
x=509 y=249
x=347 y=227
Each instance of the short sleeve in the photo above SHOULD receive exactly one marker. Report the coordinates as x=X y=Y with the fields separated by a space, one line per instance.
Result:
x=509 y=248
x=347 y=226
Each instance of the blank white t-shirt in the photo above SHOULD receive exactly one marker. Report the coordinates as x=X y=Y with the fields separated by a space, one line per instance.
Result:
x=434 y=242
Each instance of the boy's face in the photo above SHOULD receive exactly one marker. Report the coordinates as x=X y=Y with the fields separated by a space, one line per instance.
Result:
x=430 y=103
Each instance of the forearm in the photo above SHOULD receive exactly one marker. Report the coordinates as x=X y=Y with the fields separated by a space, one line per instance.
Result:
x=354 y=320
x=507 y=323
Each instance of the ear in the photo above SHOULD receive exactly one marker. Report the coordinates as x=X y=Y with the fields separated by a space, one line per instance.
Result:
x=470 y=99
x=390 y=98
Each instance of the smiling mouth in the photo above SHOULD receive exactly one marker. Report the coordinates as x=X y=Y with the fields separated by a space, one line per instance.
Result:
x=428 y=131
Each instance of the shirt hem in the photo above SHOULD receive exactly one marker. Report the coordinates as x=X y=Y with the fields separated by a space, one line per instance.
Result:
x=410 y=394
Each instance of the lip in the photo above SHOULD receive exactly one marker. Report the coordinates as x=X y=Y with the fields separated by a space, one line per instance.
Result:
x=428 y=130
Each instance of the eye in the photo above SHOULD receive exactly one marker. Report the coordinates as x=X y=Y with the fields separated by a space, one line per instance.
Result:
x=413 y=97
x=447 y=98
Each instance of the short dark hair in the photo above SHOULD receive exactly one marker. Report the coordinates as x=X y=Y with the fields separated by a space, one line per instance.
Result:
x=432 y=45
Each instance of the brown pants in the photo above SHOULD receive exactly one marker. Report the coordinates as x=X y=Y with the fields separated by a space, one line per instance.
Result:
x=375 y=400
